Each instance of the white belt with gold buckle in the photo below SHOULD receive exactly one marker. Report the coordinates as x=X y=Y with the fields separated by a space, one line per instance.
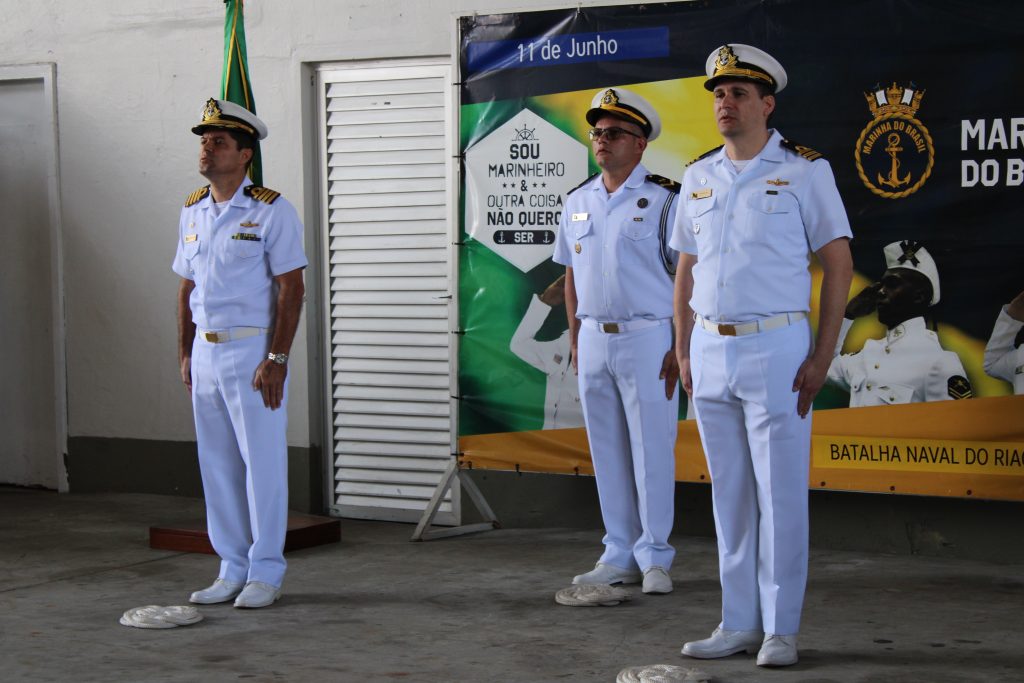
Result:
x=629 y=326
x=230 y=334
x=751 y=327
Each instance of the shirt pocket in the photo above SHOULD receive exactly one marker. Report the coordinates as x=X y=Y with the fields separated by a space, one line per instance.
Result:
x=639 y=243
x=771 y=219
x=245 y=248
x=895 y=394
x=699 y=219
x=584 y=241
x=190 y=250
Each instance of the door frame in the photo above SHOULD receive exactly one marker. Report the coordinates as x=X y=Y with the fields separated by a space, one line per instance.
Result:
x=46 y=74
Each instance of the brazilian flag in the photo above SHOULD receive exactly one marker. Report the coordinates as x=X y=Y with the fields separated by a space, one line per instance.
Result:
x=235 y=86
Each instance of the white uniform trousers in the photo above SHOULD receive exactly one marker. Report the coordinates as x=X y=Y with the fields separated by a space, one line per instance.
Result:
x=243 y=457
x=758 y=452
x=631 y=428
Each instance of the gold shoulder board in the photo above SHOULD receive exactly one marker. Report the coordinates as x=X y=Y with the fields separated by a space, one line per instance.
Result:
x=263 y=194
x=197 y=195
x=670 y=185
x=705 y=154
x=581 y=184
x=802 y=150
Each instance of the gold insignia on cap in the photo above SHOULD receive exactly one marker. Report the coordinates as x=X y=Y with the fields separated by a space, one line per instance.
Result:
x=212 y=111
x=727 y=64
x=726 y=58
x=610 y=101
x=213 y=116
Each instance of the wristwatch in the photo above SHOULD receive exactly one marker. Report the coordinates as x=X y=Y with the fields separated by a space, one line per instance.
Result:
x=279 y=358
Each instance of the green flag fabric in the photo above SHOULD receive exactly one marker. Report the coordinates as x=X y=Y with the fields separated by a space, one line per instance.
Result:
x=235 y=85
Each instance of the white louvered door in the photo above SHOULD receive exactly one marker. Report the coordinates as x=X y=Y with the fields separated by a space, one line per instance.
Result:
x=387 y=152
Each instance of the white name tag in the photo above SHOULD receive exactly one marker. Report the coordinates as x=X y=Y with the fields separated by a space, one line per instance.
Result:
x=580 y=217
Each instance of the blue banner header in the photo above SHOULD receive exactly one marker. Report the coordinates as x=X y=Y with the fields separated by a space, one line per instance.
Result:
x=574 y=48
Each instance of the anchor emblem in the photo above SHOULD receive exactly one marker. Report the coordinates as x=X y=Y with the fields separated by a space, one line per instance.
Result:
x=895 y=153
x=894 y=148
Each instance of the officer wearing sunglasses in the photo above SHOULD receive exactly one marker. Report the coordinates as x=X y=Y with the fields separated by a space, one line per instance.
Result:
x=618 y=294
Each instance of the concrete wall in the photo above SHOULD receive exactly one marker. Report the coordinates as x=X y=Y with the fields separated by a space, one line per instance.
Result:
x=131 y=80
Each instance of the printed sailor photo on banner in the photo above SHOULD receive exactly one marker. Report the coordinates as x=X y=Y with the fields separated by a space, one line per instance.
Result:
x=928 y=156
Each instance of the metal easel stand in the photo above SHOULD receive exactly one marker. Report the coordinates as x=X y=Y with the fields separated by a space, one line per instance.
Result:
x=423 y=531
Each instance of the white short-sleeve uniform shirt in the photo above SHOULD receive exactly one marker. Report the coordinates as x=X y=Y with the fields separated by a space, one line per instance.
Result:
x=753 y=231
x=234 y=255
x=614 y=246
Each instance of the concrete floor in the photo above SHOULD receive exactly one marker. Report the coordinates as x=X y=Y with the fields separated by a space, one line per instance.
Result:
x=476 y=608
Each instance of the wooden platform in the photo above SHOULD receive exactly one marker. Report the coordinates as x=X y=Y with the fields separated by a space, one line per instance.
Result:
x=304 y=531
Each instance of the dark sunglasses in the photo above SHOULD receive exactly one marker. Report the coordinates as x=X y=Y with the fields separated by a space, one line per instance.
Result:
x=613 y=133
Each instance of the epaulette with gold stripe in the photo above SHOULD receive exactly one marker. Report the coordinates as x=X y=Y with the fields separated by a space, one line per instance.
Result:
x=581 y=184
x=263 y=194
x=704 y=155
x=805 y=152
x=197 y=195
x=668 y=184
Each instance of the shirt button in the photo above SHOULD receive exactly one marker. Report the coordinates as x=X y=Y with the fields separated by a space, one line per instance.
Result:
x=869 y=387
x=876 y=366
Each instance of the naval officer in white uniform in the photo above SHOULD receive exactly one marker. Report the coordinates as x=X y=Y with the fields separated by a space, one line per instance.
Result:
x=1004 y=353
x=240 y=260
x=753 y=211
x=618 y=297
x=562 y=408
x=908 y=365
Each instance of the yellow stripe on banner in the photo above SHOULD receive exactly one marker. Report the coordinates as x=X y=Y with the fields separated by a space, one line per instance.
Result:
x=972 y=448
x=918 y=455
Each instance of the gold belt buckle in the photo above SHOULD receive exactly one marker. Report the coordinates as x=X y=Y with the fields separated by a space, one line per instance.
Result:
x=212 y=337
x=610 y=328
x=727 y=330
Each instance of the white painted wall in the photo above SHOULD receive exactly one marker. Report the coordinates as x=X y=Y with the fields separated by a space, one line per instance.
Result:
x=132 y=76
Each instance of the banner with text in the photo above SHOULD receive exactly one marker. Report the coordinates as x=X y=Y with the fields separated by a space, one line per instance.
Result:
x=928 y=153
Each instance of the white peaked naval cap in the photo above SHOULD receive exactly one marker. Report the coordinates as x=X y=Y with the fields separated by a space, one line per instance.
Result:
x=745 y=63
x=228 y=115
x=912 y=256
x=628 y=106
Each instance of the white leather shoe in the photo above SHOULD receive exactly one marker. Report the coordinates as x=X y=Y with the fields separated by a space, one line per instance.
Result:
x=219 y=591
x=608 y=574
x=657 y=581
x=723 y=643
x=257 y=594
x=777 y=651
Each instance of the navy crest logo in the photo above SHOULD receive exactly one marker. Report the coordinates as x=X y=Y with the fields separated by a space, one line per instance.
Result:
x=894 y=153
